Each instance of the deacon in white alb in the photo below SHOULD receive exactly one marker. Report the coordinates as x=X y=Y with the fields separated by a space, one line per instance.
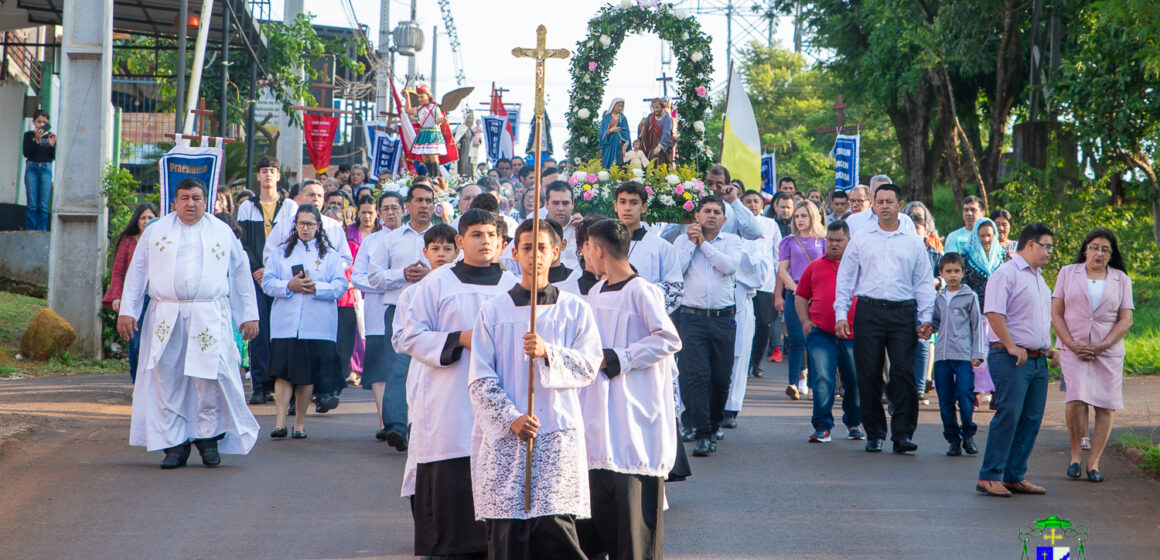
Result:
x=198 y=279
x=630 y=423
x=566 y=353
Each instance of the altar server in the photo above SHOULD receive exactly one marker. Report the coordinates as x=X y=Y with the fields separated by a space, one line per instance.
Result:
x=654 y=259
x=439 y=317
x=630 y=424
x=566 y=353
x=198 y=280
x=305 y=275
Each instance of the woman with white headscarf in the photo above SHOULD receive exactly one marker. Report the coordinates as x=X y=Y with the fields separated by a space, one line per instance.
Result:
x=613 y=134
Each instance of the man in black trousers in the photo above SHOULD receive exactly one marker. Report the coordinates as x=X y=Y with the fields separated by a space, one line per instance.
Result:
x=887 y=269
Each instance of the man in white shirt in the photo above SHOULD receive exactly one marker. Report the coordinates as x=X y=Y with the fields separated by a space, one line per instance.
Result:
x=862 y=221
x=396 y=262
x=889 y=272
x=709 y=259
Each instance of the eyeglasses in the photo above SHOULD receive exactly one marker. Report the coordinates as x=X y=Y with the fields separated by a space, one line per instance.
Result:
x=1049 y=246
x=1100 y=250
x=307 y=225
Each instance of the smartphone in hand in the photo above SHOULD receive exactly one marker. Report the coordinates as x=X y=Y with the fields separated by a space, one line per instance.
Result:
x=297 y=270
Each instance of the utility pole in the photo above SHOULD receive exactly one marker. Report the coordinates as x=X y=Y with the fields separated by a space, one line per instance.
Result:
x=434 y=50
x=411 y=59
x=729 y=35
x=797 y=27
x=182 y=31
x=290 y=138
x=383 y=76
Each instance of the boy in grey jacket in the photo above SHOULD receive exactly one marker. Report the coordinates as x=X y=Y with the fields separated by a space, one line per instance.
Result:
x=960 y=346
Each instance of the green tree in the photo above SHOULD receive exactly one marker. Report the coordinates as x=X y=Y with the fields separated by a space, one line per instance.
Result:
x=1108 y=87
x=791 y=100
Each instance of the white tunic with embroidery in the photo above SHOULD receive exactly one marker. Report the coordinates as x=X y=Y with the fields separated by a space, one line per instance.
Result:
x=188 y=386
x=499 y=395
x=630 y=425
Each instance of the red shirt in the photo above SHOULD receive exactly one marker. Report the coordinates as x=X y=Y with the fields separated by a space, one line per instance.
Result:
x=120 y=266
x=818 y=282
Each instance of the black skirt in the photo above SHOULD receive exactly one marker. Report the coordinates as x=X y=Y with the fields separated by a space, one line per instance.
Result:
x=301 y=362
x=444 y=511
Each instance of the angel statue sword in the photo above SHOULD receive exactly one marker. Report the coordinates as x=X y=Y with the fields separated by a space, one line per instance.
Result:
x=538 y=54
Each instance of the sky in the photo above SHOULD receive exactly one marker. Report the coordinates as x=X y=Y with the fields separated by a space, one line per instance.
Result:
x=489 y=29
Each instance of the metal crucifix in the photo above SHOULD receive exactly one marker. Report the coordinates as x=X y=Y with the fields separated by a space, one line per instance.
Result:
x=539 y=55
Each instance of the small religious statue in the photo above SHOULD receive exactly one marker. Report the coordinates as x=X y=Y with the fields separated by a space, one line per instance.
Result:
x=545 y=139
x=613 y=134
x=434 y=144
x=636 y=158
x=656 y=133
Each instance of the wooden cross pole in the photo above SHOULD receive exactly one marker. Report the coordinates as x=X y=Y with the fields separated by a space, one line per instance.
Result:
x=539 y=55
x=839 y=107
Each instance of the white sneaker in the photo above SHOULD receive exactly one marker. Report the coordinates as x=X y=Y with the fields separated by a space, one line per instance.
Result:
x=803 y=387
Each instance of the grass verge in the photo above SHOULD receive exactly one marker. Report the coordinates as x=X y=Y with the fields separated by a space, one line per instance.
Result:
x=1142 y=450
x=16 y=312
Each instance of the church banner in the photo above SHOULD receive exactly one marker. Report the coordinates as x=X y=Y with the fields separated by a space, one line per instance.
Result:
x=319 y=131
x=499 y=140
x=387 y=153
x=846 y=169
x=179 y=163
x=768 y=175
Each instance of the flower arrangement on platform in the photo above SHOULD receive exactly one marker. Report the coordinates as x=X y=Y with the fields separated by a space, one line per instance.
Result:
x=674 y=192
x=596 y=54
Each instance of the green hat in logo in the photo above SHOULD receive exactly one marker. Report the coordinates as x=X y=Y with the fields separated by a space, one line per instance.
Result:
x=1053 y=521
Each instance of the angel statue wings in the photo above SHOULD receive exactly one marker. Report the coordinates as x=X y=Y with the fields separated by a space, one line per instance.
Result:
x=434 y=144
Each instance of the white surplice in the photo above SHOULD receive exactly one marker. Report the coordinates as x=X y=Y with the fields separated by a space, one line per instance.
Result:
x=756 y=263
x=200 y=289
x=433 y=312
x=656 y=261
x=499 y=395
x=630 y=425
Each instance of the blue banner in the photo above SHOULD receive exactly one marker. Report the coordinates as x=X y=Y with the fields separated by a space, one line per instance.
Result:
x=846 y=169
x=514 y=120
x=388 y=149
x=202 y=163
x=768 y=175
x=494 y=133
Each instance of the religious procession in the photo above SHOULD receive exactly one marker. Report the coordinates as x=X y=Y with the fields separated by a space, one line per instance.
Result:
x=549 y=352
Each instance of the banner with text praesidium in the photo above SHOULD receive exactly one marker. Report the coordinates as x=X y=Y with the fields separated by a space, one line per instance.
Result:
x=846 y=169
x=387 y=153
x=179 y=163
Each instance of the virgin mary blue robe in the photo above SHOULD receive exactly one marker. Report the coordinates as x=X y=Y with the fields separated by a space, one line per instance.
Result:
x=611 y=149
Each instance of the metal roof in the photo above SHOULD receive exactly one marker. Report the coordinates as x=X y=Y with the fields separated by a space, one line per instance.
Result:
x=148 y=16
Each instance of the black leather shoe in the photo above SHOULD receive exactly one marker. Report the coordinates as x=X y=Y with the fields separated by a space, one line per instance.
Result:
x=176 y=456
x=326 y=403
x=954 y=450
x=208 y=448
x=279 y=433
x=704 y=448
x=719 y=435
x=1073 y=470
x=381 y=435
x=874 y=445
x=259 y=397
x=293 y=410
x=298 y=434
x=970 y=447
x=712 y=446
x=730 y=420
x=397 y=440
x=688 y=435
x=1095 y=476
x=904 y=445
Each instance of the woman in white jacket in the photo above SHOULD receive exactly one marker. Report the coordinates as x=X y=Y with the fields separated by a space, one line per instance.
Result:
x=305 y=276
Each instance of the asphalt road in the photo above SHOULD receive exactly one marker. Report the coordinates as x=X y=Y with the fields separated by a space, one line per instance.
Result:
x=73 y=488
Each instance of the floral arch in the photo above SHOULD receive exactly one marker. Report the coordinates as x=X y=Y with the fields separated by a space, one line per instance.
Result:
x=594 y=58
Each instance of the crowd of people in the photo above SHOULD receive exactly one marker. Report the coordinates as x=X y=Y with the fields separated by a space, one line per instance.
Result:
x=645 y=336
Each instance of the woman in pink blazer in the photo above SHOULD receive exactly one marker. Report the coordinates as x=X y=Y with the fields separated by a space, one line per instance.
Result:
x=1091 y=310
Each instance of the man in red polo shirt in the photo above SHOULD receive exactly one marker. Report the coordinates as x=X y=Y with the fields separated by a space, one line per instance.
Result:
x=829 y=355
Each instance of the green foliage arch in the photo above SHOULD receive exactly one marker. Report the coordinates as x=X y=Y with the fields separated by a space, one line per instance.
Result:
x=593 y=61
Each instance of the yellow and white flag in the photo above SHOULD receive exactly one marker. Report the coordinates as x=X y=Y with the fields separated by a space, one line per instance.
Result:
x=741 y=149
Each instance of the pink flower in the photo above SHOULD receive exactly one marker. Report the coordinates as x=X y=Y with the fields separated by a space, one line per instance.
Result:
x=688 y=206
x=591 y=66
x=592 y=177
x=679 y=190
x=648 y=190
x=588 y=195
x=702 y=91
x=572 y=181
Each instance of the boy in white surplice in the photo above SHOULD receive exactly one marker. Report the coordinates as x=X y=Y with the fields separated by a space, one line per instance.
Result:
x=566 y=354
x=629 y=421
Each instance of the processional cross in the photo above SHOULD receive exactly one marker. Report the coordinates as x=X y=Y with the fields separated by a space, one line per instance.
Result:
x=839 y=108
x=539 y=55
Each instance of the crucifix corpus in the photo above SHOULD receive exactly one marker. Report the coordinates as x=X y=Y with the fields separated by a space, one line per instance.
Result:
x=539 y=55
